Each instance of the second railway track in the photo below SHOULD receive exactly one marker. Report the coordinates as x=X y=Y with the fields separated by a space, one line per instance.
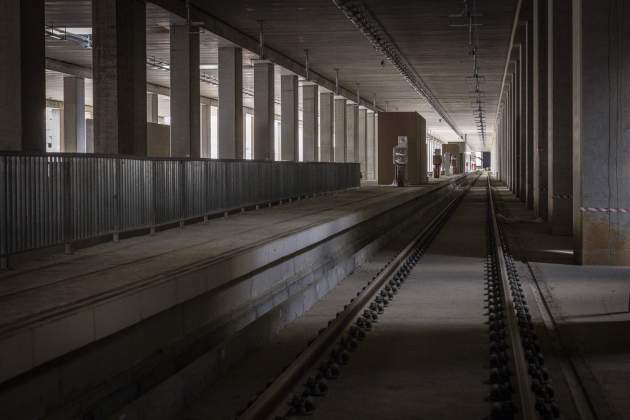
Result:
x=441 y=330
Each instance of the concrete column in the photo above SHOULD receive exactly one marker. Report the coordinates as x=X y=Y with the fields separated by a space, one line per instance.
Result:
x=500 y=139
x=506 y=132
x=559 y=123
x=22 y=76
x=340 y=129
x=263 y=144
x=152 y=107
x=290 y=136
x=327 y=126
x=119 y=69
x=352 y=139
x=185 y=136
x=510 y=136
x=370 y=152
x=503 y=159
x=516 y=123
x=376 y=168
x=506 y=136
x=73 y=115
x=310 y=109
x=539 y=111
x=601 y=131
x=529 y=107
x=522 y=118
x=508 y=118
x=362 y=141
x=230 y=111
x=205 y=130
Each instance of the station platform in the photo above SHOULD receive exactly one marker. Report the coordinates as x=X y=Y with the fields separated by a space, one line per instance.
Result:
x=151 y=297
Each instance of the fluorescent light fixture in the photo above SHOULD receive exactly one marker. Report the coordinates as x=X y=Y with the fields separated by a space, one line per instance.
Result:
x=208 y=67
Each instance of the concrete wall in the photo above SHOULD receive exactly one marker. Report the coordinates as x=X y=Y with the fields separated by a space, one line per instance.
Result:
x=390 y=126
x=158 y=140
x=601 y=132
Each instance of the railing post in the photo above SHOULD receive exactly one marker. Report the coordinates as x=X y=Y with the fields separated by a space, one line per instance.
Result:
x=182 y=190
x=154 y=192
x=117 y=200
x=4 y=211
x=68 y=205
x=204 y=187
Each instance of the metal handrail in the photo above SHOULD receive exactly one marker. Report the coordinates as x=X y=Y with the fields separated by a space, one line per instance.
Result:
x=60 y=198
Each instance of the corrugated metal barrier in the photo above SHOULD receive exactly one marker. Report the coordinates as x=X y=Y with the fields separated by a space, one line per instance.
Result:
x=54 y=199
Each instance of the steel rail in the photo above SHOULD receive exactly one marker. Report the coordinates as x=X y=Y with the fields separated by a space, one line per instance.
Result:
x=527 y=400
x=279 y=388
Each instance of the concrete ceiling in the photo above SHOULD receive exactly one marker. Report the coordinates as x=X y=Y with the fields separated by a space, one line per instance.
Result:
x=425 y=31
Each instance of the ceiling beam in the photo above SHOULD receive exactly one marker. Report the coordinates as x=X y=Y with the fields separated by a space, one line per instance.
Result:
x=198 y=14
x=86 y=73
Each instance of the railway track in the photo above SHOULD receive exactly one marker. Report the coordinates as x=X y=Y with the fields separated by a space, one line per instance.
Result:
x=517 y=384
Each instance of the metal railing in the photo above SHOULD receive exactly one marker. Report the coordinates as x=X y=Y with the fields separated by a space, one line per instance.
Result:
x=53 y=199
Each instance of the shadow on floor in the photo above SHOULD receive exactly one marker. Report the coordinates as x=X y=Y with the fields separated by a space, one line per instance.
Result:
x=528 y=232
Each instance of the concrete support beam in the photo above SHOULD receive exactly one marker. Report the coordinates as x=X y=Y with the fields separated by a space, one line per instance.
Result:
x=327 y=127
x=152 y=107
x=509 y=137
x=205 y=130
x=230 y=103
x=352 y=138
x=376 y=142
x=73 y=115
x=371 y=147
x=340 y=130
x=185 y=127
x=516 y=123
x=539 y=110
x=290 y=136
x=263 y=110
x=362 y=141
x=601 y=131
x=22 y=76
x=529 y=106
x=310 y=124
x=119 y=69
x=521 y=115
x=559 y=124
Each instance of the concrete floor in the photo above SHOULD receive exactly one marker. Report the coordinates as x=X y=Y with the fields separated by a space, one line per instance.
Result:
x=590 y=305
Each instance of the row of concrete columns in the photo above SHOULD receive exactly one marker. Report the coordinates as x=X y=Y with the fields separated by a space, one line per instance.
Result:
x=122 y=106
x=563 y=131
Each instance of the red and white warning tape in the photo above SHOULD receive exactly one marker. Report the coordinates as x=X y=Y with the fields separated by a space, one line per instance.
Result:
x=603 y=210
